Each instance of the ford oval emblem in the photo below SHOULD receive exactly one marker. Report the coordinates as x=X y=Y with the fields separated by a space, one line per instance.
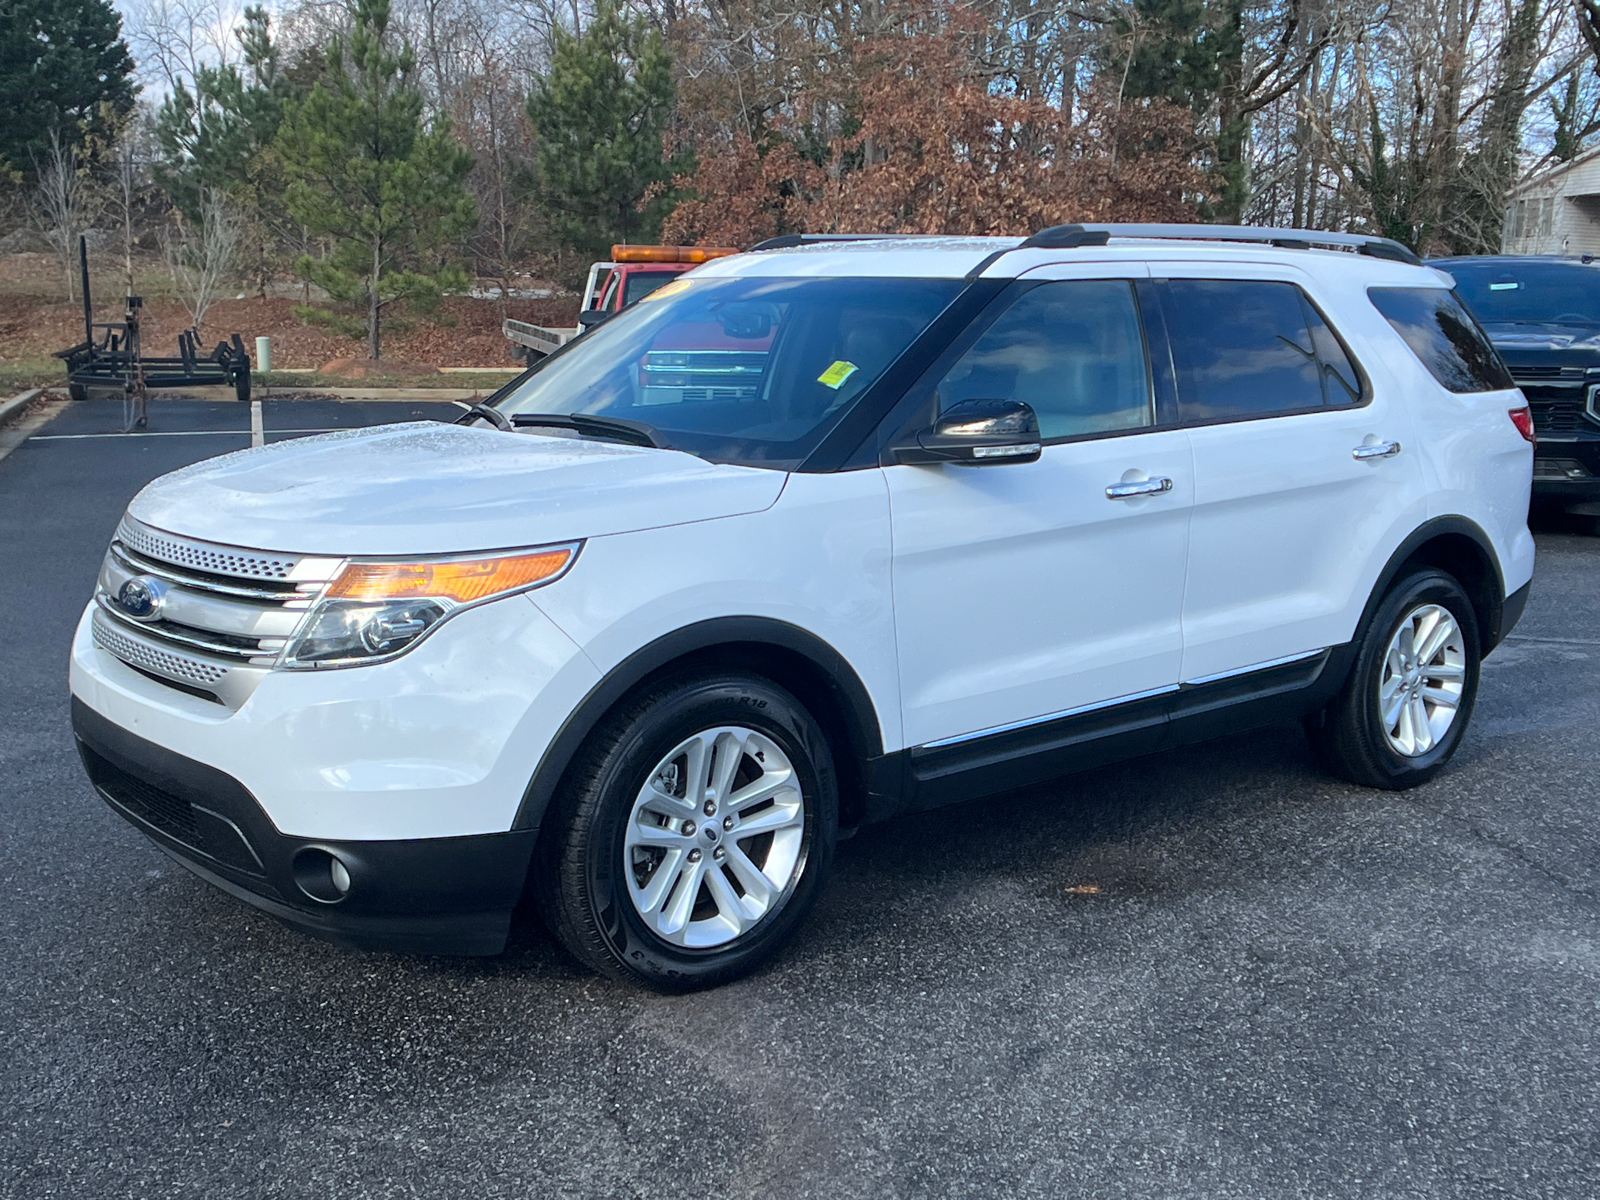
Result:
x=141 y=597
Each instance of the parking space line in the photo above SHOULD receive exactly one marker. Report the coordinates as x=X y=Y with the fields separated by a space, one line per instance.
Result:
x=257 y=436
x=73 y=437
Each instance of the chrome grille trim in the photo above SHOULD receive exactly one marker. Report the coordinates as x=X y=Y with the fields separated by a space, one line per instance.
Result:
x=164 y=631
x=228 y=609
x=140 y=654
x=205 y=556
x=138 y=564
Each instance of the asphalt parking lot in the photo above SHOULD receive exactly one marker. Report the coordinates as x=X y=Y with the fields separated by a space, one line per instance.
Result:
x=1214 y=973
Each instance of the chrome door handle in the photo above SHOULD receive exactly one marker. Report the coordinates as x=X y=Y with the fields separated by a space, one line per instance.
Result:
x=1139 y=487
x=1376 y=450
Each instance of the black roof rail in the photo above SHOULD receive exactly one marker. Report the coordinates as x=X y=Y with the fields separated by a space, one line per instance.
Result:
x=1065 y=237
x=787 y=241
x=1288 y=239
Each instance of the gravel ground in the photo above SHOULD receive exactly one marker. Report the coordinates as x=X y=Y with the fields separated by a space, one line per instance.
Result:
x=1214 y=973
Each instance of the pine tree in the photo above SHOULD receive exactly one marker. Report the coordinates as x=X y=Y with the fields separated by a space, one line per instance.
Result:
x=599 y=113
x=210 y=138
x=64 y=68
x=367 y=172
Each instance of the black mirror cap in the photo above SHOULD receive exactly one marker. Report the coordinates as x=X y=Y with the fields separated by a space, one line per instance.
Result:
x=590 y=317
x=977 y=433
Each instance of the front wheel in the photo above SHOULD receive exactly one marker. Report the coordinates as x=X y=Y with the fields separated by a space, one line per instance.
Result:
x=695 y=833
x=1405 y=707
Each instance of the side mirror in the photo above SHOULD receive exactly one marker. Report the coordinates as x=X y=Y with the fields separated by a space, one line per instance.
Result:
x=590 y=317
x=976 y=433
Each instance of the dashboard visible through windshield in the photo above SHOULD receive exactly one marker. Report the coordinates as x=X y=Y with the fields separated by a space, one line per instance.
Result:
x=752 y=370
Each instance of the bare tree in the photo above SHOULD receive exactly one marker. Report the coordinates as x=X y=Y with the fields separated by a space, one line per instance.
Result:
x=200 y=254
x=65 y=201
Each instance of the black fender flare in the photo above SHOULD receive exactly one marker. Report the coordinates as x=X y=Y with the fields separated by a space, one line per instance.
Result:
x=718 y=633
x=1492 y=618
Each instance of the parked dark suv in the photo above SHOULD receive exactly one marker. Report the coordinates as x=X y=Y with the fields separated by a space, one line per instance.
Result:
x=1543 y=315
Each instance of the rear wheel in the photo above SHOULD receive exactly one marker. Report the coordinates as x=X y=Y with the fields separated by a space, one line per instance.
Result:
x=1405 y=707
x=697 y=831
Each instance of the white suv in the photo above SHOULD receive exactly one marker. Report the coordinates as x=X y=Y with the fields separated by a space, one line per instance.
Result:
x=818 y=534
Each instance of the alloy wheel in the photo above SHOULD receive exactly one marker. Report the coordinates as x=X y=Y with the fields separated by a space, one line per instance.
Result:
x=716 y=837
x=1420 y=687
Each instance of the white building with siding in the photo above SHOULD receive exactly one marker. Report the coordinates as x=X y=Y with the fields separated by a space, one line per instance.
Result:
x=1556 y=211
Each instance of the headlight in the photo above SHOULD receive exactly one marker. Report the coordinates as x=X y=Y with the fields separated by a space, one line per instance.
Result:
x=375 y=610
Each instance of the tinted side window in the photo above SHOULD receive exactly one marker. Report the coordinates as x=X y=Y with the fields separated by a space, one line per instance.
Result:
x=641 y=283
x=1444 y=336
x=1242 y=348
x=1340 y=383
x=1074 y=350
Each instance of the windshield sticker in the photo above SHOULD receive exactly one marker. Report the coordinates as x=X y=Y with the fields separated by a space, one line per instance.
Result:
x=835 y=375
x=665 y=290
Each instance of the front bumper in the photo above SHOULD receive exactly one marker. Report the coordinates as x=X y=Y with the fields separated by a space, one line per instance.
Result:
x=1566 y=470
x=452 y=895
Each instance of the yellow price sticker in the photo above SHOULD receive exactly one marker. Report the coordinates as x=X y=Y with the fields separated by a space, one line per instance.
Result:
x=836 y=374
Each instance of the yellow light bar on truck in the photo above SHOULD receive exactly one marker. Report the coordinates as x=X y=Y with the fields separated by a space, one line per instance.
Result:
x=668 y=254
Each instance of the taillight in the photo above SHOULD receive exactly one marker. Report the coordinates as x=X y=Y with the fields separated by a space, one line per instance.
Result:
x=1522 y=418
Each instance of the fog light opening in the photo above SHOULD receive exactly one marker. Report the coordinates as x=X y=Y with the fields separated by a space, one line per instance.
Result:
x=321 y=875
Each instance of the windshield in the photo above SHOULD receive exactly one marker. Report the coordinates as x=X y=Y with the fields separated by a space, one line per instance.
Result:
x=1556 y=293
x=751 y=370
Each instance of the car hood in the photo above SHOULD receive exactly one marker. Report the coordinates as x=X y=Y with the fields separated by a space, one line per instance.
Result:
x=427 y=488
x=1526 y=335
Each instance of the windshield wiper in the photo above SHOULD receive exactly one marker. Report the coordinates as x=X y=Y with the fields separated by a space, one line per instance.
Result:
x=619 y=429
x=492 y=415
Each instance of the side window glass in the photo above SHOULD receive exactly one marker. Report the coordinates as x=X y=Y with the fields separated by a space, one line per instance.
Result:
x=1340 y=383
x=1242 y=348
x=1073 y=349
x=1444 y=336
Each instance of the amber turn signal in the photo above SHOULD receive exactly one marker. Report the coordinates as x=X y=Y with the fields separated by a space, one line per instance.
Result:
x=461 y=580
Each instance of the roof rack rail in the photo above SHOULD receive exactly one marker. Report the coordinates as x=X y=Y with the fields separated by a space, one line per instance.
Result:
x=1065 y=237
x=1287 y=239
x=787 y=241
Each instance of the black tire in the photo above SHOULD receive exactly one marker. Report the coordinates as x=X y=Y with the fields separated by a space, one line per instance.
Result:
x=1349 y=735
x=241 y=385
x=580 y=884
x=77 y=391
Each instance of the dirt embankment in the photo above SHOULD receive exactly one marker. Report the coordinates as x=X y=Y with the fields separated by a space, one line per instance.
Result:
x=463 y=332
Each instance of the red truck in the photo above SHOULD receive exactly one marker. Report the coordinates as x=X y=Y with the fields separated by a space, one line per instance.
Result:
x=632 y=273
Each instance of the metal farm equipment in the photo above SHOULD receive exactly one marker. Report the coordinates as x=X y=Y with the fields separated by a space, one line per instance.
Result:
x=114 y=359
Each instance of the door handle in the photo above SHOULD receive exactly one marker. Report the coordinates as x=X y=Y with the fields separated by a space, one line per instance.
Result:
x=1139 y=487
x=1375 y=450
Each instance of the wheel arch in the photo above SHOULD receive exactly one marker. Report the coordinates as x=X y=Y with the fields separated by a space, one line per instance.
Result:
x=1460 y=547
x=791 y=657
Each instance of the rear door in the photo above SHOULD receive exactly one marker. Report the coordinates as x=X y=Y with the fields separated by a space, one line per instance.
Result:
x=1302 y=471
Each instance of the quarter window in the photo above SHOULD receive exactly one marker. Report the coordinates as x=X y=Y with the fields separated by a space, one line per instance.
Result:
x=1247 y=348
x=1444 y=336
x=1073 y=349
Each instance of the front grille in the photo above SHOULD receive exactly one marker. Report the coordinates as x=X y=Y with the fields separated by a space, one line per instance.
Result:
x=225 y=615
x=219 y=560
x=1562 y=415
x=1540 y=373
x=152 y=658
x=172 y=815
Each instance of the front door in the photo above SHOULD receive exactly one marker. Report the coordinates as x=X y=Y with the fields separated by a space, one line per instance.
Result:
x=1028 y=591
